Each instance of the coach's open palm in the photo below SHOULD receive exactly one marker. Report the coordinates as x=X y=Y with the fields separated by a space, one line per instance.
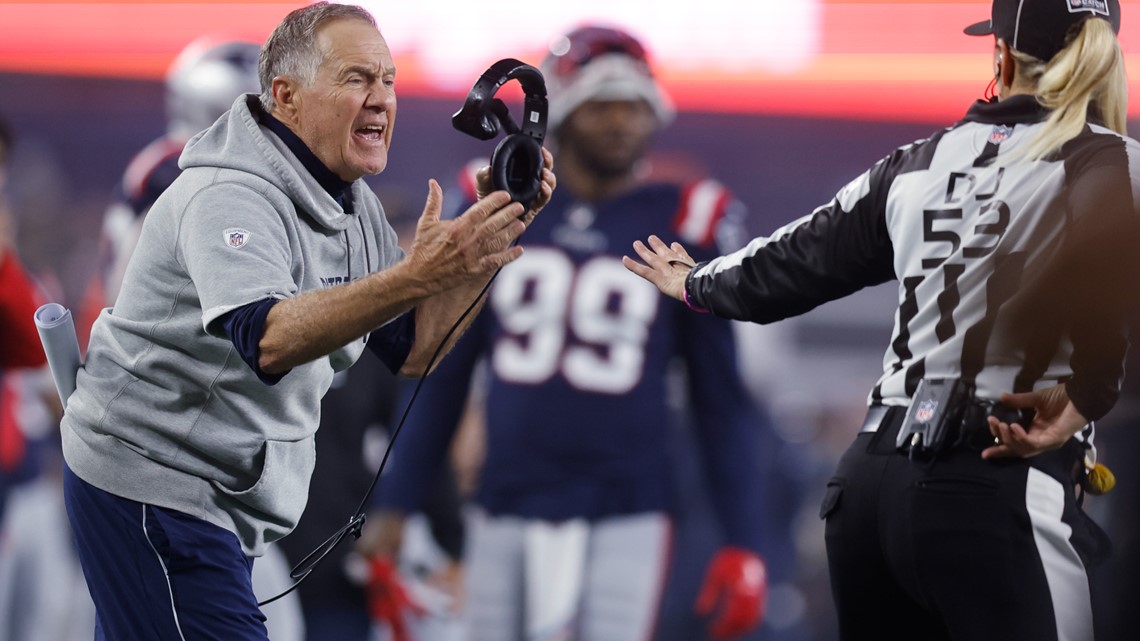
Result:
x=449 y=252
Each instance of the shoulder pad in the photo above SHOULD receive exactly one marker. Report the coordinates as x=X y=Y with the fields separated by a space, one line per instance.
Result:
x=150 y=172
x=702 y=206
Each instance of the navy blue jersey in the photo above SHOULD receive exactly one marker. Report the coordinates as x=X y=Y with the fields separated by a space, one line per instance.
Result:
x=582 y=359
x=149 y=173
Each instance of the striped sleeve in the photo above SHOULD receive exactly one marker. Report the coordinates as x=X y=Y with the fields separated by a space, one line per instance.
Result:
x=839 y=249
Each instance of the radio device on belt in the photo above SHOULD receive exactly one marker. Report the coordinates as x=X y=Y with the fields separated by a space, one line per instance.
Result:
x=935 y=409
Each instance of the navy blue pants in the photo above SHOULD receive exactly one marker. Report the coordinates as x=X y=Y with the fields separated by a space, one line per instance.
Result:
x=160 y=575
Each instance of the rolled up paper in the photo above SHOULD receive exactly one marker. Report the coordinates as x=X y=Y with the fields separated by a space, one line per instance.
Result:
x=57 y=333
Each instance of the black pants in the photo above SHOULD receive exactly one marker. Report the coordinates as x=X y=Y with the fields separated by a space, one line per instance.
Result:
x=957 y=548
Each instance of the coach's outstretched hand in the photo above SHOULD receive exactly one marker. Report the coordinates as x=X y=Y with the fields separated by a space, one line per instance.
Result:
x=446 y=253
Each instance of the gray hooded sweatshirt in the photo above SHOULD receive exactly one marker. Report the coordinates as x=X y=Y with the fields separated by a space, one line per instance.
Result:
x=165 y=411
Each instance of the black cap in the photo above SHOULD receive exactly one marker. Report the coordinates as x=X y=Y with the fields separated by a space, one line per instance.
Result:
x=1039 y=27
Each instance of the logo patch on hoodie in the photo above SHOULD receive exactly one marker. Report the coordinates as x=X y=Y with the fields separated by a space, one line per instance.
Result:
x=236 y=237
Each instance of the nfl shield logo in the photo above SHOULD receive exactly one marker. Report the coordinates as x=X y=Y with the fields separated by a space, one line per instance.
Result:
x=236 y=238
x=926 y=411
x=999 y=134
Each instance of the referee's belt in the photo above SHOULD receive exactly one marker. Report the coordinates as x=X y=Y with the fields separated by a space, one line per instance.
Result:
x=877 y=415
x=972 y=430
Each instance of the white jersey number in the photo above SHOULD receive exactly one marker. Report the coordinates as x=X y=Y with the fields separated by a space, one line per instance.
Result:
x=591 y=326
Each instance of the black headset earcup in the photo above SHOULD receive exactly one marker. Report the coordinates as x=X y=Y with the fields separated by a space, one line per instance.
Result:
x=516 y=166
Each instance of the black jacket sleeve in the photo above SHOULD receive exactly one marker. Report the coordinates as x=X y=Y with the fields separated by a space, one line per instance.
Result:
x=839 y=249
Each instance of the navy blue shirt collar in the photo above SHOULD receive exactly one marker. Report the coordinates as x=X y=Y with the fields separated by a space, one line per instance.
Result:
x=339 y=189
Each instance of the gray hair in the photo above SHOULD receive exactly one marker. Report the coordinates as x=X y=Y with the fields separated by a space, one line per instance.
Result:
x=291 y=49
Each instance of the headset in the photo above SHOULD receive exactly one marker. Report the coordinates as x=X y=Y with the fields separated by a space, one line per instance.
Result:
x=516 y=164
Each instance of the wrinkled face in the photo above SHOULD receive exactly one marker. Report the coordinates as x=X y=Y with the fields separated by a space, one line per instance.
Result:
x=610 y=135
x=347 y=113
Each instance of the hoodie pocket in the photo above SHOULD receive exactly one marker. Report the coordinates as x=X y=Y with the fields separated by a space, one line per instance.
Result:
x=282 y=487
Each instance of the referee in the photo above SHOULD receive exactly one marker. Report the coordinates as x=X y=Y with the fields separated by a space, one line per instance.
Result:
x=1012 y=236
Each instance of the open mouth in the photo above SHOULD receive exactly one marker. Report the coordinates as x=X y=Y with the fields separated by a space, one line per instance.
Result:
x=371 y=133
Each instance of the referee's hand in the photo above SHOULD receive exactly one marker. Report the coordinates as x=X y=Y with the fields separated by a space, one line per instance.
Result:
x=666 y=266
x=1055 y=422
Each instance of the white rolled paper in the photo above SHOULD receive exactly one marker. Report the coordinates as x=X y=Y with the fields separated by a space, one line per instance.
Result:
x=57 y=333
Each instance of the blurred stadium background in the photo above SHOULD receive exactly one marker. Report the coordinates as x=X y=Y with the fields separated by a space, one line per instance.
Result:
x=782 y=101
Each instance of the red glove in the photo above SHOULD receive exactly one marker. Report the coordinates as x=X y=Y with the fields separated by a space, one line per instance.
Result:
x=387 y=597
x=19 y=300
x=738 y=580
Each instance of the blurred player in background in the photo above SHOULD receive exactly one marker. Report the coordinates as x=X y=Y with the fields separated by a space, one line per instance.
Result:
x=574 y=532
x=200 y=86
x=38 y=597
x=19 y=341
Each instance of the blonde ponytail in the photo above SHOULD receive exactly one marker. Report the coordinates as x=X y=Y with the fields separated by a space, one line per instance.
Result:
x=1085 y=79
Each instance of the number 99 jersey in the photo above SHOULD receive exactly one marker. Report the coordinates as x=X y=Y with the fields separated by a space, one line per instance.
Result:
x=583 y=361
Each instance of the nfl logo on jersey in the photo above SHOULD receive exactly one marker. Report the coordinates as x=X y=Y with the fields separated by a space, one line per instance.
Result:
x=236 y=238
x=926 y=411
x=999 y=134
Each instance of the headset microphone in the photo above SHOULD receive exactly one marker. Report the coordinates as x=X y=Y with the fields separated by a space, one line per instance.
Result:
x=516 y=164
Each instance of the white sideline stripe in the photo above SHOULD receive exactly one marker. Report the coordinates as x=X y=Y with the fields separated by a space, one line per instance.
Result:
x=1064 y=572
x=165 y=574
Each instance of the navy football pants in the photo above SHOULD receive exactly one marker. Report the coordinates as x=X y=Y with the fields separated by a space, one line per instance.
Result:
x=160 y=575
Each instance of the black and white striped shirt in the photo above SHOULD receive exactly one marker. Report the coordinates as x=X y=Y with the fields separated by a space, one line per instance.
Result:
x=1013 y=275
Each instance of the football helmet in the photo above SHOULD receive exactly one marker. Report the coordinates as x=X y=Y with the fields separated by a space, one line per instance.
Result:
x=595 y=62
x=205 y=79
